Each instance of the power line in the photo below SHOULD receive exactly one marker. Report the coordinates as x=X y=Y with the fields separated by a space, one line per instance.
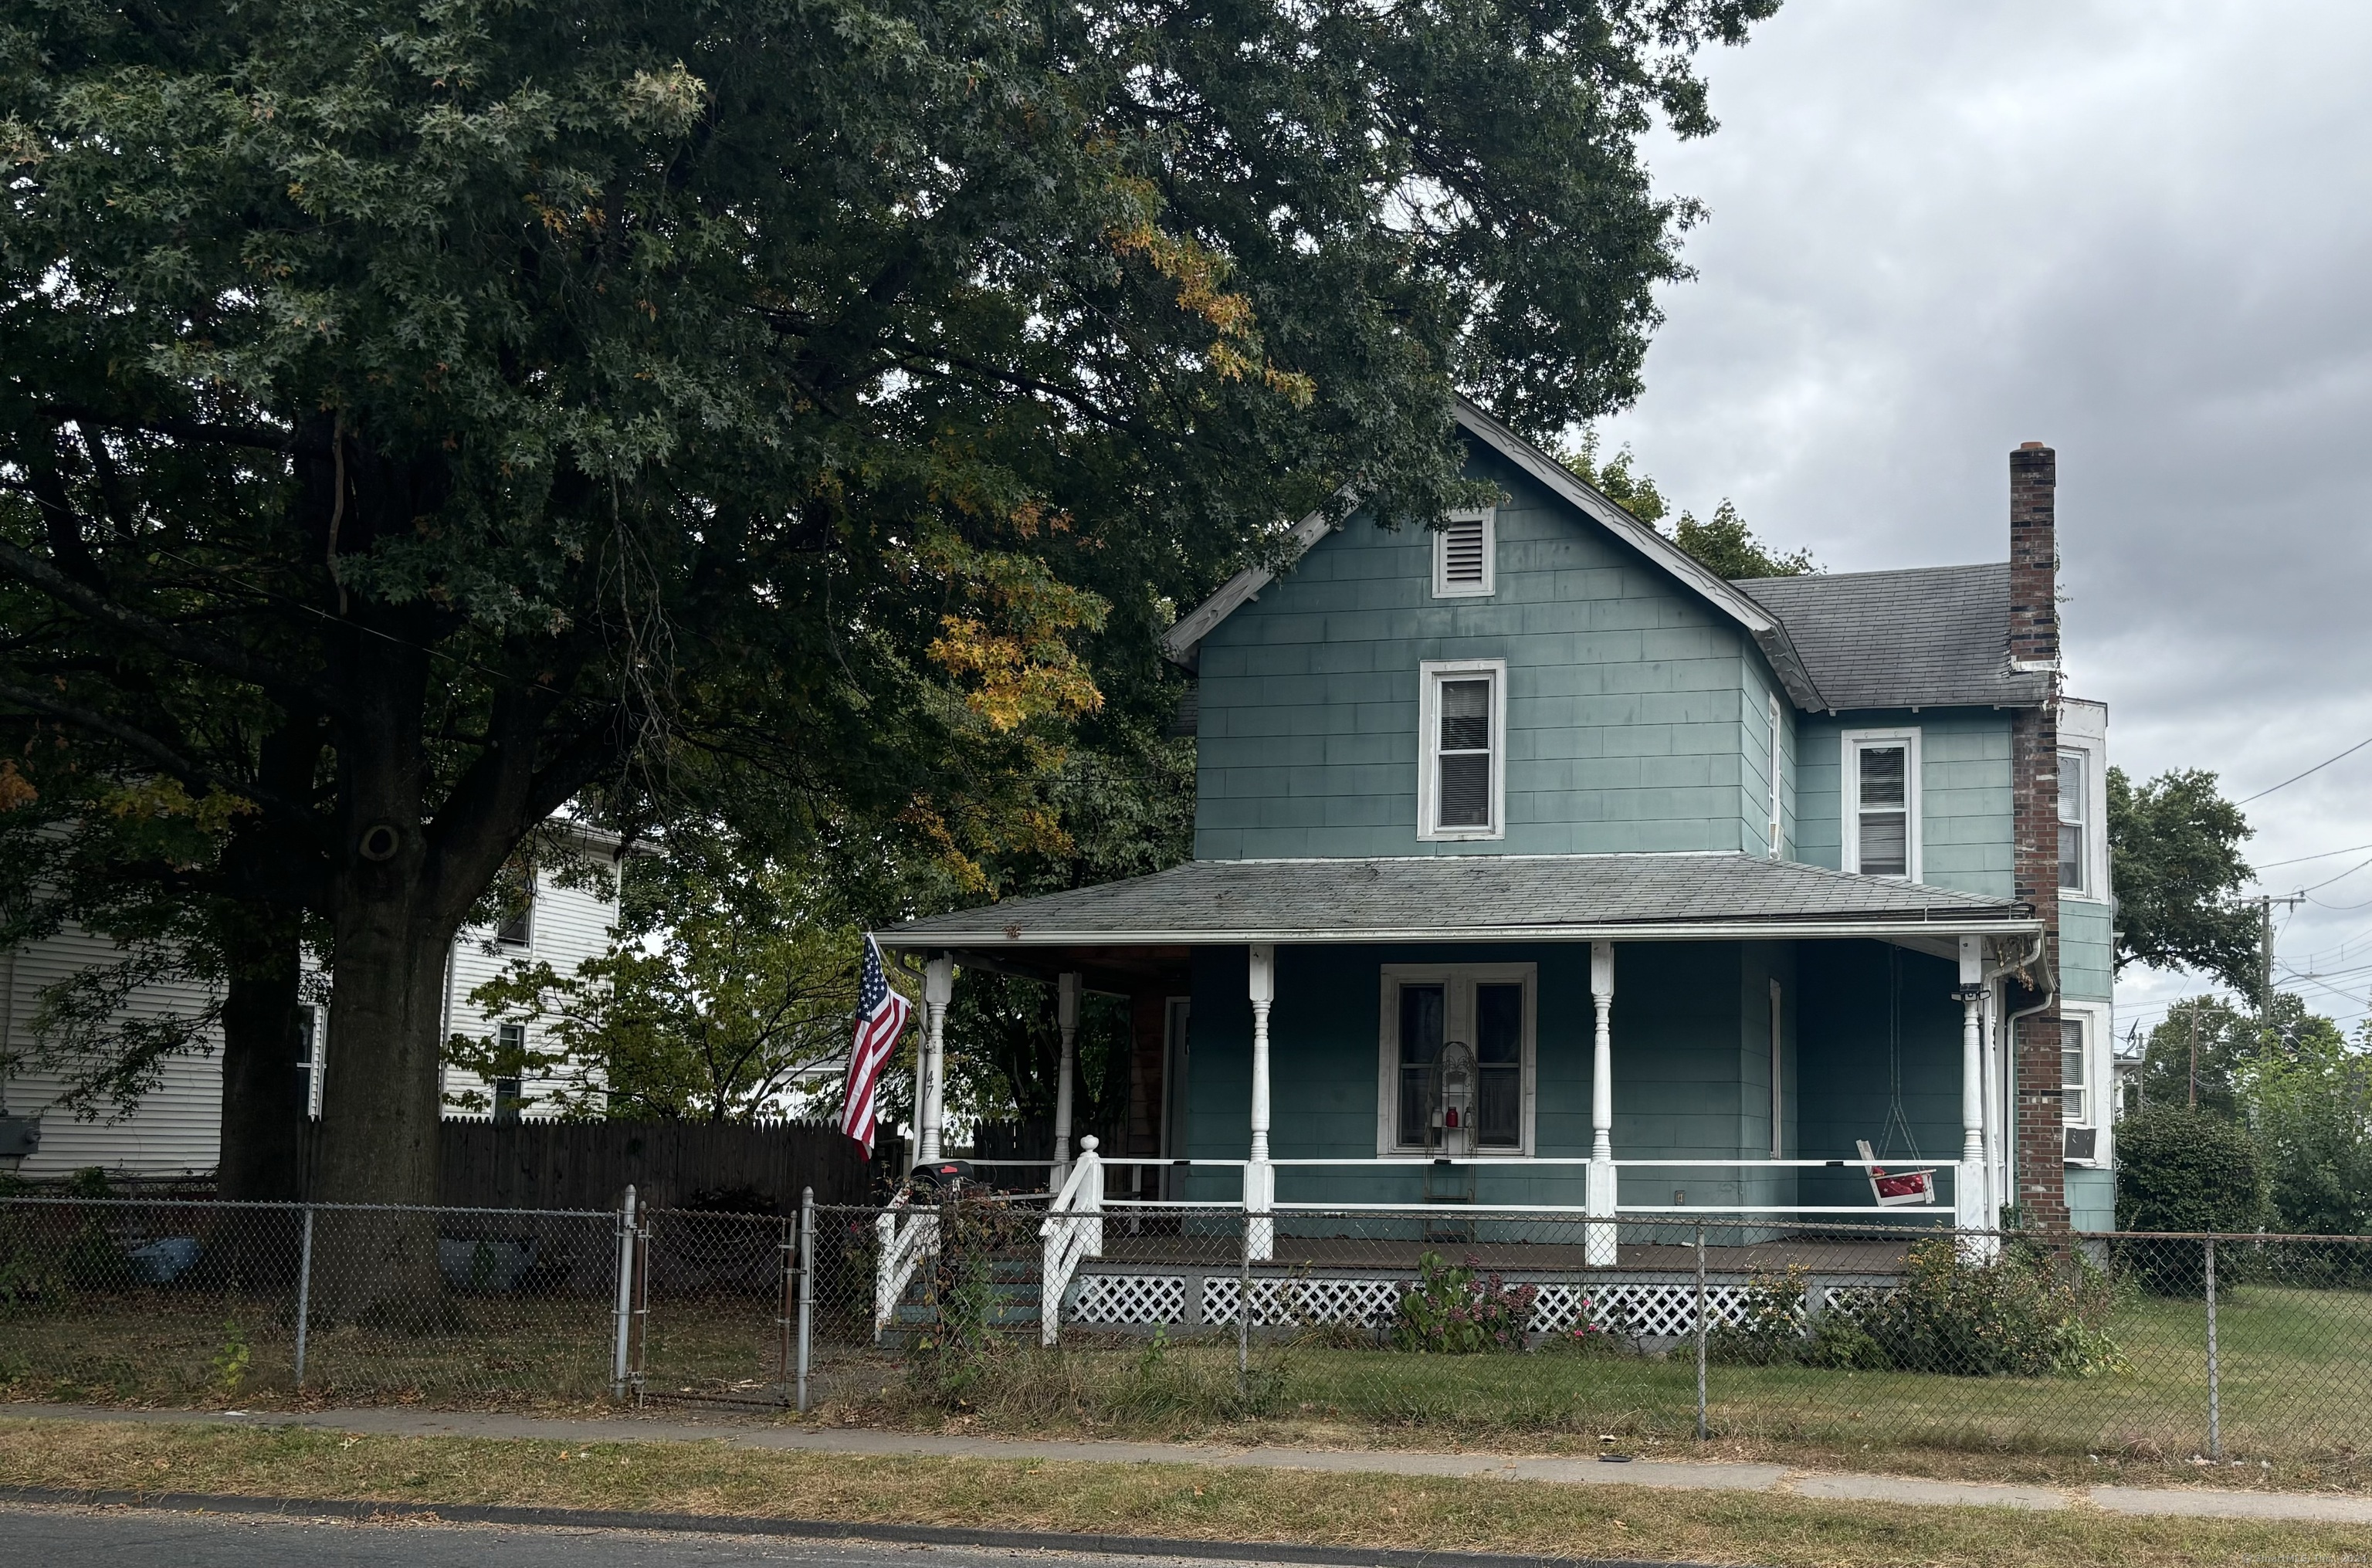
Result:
x=2316 y=768
x=2326 y=854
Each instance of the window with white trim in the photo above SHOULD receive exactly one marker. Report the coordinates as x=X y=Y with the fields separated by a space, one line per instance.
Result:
x=1465 y=555
x=1488 y=1007
x=1461 y=767
x=2074 y=1074
x=2075 y=802
x=1777 y=753
x=515 y=921
x=510 y=1096
x=1881 y=802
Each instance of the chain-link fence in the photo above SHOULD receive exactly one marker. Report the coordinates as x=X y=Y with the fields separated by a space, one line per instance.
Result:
x=1176 y=1319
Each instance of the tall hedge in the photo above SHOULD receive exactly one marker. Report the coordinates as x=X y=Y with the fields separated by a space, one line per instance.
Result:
x=2187 y=1170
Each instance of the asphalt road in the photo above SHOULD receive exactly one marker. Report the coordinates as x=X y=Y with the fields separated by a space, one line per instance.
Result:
x=129 y=1538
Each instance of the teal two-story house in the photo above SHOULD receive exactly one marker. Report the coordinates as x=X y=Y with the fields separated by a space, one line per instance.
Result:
x=1530 y=845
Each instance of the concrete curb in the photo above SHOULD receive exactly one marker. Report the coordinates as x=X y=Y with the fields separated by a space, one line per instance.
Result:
x=812 y=1529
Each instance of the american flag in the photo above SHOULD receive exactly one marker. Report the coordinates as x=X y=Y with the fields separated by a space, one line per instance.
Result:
x=880 y=1016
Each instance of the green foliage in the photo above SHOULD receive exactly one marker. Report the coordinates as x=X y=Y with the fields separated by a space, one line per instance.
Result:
x=1724 y=542
x=2020 y=1314
x=2024 y=1314
x=722 y=986
x=2227 y=1038
x=2174 y=859
x=477 y=409
x=1452 y=1311
x=1770 y=1331
x=2310 y=1099
x=234 y=1357
x=954 y=1351
x=2181 y=1169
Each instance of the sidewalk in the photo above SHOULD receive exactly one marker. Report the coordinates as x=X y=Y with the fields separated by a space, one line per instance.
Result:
x=2299 y=1507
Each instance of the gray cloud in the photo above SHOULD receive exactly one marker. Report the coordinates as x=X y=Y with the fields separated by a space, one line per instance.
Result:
x=2136 y=231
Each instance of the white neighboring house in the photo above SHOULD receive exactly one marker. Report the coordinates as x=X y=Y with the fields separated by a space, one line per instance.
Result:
x=176 y=1130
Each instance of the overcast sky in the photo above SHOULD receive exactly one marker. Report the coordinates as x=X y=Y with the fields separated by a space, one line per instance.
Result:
x=2139 y=232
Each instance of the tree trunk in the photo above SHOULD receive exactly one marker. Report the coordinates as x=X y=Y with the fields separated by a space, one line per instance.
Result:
x=264 y=1078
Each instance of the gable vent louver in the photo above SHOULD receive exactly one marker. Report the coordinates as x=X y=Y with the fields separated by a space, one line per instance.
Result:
x=1462 y=551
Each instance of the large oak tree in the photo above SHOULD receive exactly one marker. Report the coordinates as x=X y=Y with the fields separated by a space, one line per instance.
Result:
x=423 y=413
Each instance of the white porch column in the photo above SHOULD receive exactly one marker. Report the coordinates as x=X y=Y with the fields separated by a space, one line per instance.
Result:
x=1601 y=1237
x=1968 y=1181
x=1260 y=1177
x=1066 y=1016
x=938 y=989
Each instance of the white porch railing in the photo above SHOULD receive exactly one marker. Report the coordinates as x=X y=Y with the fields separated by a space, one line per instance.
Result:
x=1074 y=1229
x=904 y=1237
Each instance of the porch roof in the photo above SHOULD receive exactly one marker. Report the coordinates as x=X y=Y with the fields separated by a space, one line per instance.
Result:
x=1470 y=897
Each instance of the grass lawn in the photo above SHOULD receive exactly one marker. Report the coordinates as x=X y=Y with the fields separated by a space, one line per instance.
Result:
x=1152 y=1500
x=2296 y=1387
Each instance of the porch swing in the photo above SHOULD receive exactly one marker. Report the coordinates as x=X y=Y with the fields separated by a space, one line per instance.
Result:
x=1894 y=1188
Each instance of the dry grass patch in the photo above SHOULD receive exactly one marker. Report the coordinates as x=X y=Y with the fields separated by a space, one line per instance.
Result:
x=1154 y=1500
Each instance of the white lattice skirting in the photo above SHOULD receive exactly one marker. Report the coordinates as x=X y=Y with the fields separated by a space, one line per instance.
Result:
x=1646 y=1308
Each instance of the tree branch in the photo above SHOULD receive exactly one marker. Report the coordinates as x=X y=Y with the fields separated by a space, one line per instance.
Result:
x=309 y=695
x=146 y=745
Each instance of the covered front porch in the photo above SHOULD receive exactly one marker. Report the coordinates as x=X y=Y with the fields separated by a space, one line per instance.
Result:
x=1629 y=1040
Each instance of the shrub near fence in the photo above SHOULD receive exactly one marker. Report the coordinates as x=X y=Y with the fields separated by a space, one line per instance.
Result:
x=1836 y=1342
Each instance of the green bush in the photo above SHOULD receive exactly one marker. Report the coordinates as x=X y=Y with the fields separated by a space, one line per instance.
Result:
x=1451 y=1312
x=2023 y=1315
x=2182 y=1169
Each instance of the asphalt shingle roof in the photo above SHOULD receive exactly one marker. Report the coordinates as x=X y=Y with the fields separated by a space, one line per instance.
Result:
x=1442 y=896
x=1928 y=636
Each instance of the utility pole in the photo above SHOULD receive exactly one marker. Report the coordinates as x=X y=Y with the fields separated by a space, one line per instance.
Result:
x=2265 y=959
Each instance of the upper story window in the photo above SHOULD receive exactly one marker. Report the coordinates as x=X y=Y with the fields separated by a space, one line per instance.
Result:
x=1458 y=1059
x=1881 y=802
x=2073 y=1074
x=1462 y=772
x=515 y=926
x=2074 y=827
x=1778 y=753
x=1465 y=555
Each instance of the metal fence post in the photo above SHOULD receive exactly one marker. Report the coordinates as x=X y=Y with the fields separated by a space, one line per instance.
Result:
x=2215 y=1393
x=807 y=1288
x=625 y=1302
x=1701 y=1334
x=304 y=1290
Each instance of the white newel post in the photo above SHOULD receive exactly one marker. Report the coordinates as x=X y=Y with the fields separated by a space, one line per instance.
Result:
x=1968 y=1182
x=938 y=990
x=1066 y=1016
x=1260 y=1177
x=1601 y=1242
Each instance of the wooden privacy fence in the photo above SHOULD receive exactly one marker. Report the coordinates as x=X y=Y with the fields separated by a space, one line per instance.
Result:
x=584 y=1165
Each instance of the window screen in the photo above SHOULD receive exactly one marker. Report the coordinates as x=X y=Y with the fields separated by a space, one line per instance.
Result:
x=1884 y=809
x=1464 y=758
x=1424 y=1012
x=2072 y=796
x=2072 y=1106
x=1499 y=1059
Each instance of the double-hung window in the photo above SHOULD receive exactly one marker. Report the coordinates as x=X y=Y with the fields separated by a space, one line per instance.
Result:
x=1881 y=802
x=2075 y=1107
x=2075 y=796
x=1463 y=764
x=514 y=922
x=1489 y=1008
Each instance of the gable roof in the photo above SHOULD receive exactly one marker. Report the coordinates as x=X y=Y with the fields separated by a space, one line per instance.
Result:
x=1479 y=897
x=1182 y=643
x=1927 y=636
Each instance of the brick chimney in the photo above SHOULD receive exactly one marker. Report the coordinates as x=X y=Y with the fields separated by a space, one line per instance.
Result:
x=2040 y=1178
